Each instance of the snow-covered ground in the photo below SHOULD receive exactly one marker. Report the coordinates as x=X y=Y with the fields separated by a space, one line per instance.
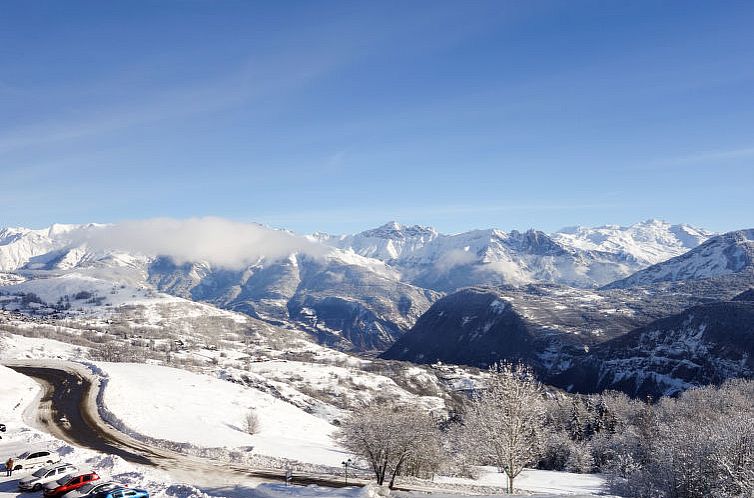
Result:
x=185 y=407
x=206 y=410
x=537 y=481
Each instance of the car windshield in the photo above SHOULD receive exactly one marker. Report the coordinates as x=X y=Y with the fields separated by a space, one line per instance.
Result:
x=22 y=456
x=101 y=487
x=86 y=488
x=40 y=472
x=63 y=480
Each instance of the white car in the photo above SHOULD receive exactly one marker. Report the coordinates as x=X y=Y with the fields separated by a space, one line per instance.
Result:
x=92 y=489
x=44 y=475
x=31 y=459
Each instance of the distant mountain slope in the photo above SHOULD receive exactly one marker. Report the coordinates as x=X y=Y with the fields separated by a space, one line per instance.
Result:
x=344 y=300
x=574 y=338
x=725 y=254
x=745 y=296
x=704 y=344
x=581 y=257
x=538 y=323
x=18 y=246
x=648 y=242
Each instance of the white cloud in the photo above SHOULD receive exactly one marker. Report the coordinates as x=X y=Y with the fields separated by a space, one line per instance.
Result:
x=455 y=257
x=218 y=241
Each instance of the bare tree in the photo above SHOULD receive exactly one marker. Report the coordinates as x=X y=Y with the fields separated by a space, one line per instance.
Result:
x=391 y=438
x=506 y=421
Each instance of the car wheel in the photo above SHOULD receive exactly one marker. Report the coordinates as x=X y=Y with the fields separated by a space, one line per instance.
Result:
x=17 y=467
x=36 y=487
x=49 y=461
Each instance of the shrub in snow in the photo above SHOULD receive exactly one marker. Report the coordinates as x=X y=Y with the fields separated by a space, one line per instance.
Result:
x=251 y=422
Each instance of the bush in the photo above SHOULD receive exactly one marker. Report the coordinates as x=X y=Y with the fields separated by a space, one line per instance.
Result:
x=251 y=422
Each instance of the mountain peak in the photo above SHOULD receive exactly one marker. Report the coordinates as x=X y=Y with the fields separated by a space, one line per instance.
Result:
x=394 y=230
x=391 y=225
x=728 y=253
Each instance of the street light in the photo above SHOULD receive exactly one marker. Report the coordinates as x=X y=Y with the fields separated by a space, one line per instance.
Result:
x=345 y=465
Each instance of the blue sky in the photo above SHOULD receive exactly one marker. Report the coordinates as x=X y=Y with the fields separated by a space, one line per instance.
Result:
x=339 y=116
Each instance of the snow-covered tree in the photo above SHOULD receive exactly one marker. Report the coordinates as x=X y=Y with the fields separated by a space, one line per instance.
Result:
x=505 y=422
x=391 y=439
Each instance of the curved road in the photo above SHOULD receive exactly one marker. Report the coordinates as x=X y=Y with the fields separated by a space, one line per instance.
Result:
x=67 y=394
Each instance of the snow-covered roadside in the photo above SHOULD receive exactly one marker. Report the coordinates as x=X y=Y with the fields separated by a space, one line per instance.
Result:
x=185 y=410
x=17 y=394
x=535 y=481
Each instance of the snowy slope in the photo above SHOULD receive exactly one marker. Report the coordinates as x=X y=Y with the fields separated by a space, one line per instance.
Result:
x=18 y=246
x=649 y=242
x=189 y=408
x=725 y=254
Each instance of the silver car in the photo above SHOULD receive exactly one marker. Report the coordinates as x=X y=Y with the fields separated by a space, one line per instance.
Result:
x=42 y=476
x=92 y=489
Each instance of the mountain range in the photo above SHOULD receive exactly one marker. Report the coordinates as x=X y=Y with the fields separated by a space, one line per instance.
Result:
x=411 y=292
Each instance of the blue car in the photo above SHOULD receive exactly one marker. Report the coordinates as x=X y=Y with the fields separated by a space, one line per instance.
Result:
x=123 y=493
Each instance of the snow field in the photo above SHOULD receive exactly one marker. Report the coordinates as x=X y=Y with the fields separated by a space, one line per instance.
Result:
x=184 y=407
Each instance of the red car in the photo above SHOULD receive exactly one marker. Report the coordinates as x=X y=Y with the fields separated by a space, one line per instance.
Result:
x=68 y=483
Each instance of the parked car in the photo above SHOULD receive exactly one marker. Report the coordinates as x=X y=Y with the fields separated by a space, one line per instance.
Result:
x=68 y=483
x=123 y=493
x=29 y=460
x=44 y=475
x=91 y=489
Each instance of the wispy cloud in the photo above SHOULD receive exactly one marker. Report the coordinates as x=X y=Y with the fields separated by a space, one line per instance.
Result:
x=704 y=157
x=248 y=82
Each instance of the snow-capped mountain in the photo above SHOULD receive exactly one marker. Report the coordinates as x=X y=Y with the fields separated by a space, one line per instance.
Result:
x=649 y=242
x=726 y=254
x=19 y=246
x=390 y=242
x=581 y=257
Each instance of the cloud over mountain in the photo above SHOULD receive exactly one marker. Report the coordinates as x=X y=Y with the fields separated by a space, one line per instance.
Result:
x=221 y=242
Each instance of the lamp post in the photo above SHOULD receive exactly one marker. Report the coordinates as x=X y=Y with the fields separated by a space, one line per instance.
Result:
x=345 y=465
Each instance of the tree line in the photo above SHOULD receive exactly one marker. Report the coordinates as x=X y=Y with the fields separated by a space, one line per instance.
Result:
x=700 y=444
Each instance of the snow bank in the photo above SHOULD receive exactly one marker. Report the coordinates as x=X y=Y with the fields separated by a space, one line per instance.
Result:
x=16 y=393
